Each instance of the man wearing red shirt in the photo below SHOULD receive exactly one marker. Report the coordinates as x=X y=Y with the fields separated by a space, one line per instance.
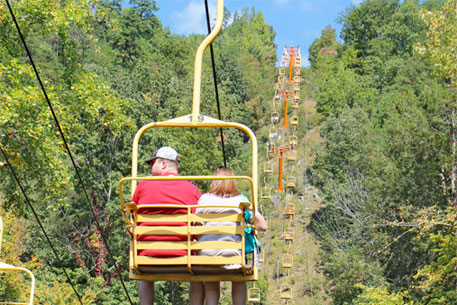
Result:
x=165 y=162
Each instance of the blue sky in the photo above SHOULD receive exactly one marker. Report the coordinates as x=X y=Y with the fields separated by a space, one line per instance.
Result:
x=296 y=22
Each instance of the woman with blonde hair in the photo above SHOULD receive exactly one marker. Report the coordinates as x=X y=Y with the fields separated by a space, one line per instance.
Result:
x=225 y=193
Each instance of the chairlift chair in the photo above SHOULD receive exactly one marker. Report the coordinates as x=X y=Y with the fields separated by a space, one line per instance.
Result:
x=265 y=193
x=292 y=155
x=297 y=79
x=253 y=295
x=295 y=104
x=282 y=71
x=294 y=120
x=298 y=61
x=268 y=167
x=274 y=117
x=297 y=95
x=287 y=261
x=297 y=71
x=285 y=292
x=280 y=86
x=289 y=234
x=289 y=209
x=293 y=140
x=273 y=133
x=189 y=267
x=291 y=182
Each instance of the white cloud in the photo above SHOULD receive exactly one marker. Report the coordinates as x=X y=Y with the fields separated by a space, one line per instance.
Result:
x=357 y=2
x=192 y=19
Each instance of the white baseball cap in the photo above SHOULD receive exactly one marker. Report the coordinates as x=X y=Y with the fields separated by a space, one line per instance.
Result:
x=165 y=152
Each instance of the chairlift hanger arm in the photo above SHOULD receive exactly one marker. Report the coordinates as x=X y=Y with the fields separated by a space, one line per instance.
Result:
x=199 y=59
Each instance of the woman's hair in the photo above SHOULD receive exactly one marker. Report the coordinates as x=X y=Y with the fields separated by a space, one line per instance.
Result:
x=226 y=187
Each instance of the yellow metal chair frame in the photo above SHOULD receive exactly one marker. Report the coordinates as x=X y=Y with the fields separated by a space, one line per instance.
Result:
x=265 y=193
x=289 y=234
x=287 y=261
x=280 y=78
x=187 y=268
x=298 y=61
x=294 y=120
x=253 y=295
x=7 y=267
x=273 y=133
x=285 y=292
x=294 y=104
x=268 y=167
x=274 y=117
x=292 y=155
x=297 y=79
x=291 y=182
x=297 y=70
x=289 y=209
x=293 y=140
x=279 y=87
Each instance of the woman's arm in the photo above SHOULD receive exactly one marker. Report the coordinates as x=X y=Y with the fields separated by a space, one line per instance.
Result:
x=260 y=223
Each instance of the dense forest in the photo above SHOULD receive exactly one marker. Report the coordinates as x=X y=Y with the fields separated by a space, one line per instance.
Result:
x=107 y=71
x=386 y=102
x=387 y=171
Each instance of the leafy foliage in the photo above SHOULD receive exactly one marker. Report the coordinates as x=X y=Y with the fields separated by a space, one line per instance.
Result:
x=109 y=70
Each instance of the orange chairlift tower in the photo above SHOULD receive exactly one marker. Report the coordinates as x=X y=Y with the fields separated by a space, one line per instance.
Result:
x=286 y=94
x=291 y=62
x=280 y=150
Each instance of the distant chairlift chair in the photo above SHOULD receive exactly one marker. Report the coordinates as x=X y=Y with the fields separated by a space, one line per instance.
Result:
x=265 y=193
x=289 y=234
x=293 y=140
x=292 y=155
x=274 y=117
x=254 y=295
x=291 y=182
x=287 y=261
x=294 y=120
x=285 y=292
x=289 y=209
x=268 y=167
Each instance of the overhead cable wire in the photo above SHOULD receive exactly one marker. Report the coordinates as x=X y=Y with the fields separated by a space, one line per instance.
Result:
x=97 y=223
x=27 y=200
x=215 y=83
